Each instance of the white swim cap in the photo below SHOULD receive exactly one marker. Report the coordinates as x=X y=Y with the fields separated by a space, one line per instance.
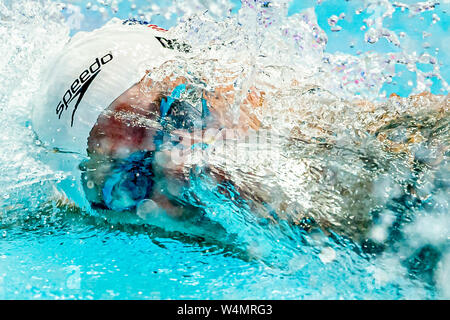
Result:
x=92 y=70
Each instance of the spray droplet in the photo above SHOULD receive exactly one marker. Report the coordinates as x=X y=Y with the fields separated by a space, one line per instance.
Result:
x=435 y=18
x=336 y=28
x=333 y=20
x=425 y=34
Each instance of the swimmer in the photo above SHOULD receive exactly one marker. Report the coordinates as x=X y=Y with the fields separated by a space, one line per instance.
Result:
x=126 y=124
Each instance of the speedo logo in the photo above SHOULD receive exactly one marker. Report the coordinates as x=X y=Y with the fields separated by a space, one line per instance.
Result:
x=80 y=85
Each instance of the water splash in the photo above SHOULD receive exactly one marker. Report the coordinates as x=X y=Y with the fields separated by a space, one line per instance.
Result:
x=389 y=166
x=340 y=157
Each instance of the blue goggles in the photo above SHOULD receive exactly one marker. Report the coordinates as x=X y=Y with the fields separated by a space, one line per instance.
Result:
x=182 y=114
x=131 y=181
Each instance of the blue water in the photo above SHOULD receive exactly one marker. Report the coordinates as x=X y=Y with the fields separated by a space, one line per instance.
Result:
x=47 y=253
x=76 y=258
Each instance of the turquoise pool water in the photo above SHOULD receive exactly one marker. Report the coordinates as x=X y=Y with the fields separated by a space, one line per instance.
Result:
x=50 y=253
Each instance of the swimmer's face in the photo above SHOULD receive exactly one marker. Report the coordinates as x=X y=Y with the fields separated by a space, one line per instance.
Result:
x=121 y=148
x=122 y=129
x=127 y=128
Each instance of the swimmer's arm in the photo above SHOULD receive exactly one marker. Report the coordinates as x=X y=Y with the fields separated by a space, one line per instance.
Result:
x=424 y=102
